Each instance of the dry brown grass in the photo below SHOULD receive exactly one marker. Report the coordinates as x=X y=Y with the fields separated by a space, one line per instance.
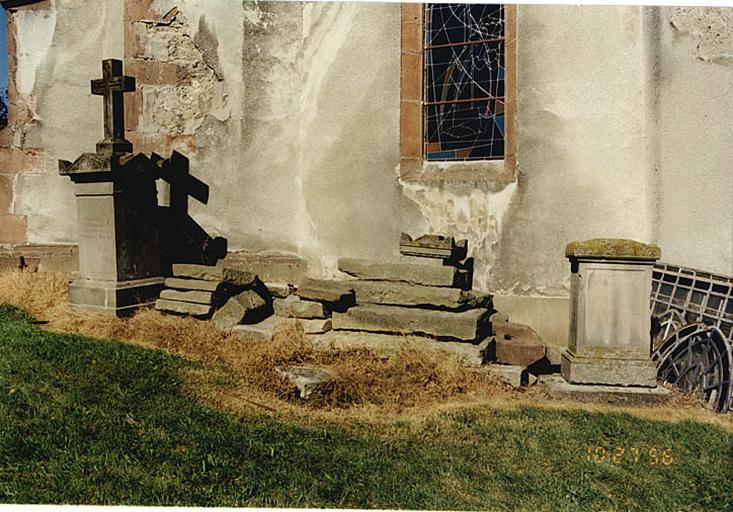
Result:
x=239 y=374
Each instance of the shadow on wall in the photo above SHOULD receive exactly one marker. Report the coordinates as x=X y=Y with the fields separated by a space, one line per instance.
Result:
x=182 y=239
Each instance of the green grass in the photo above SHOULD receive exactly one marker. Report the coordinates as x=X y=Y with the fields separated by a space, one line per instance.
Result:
x=102 y=422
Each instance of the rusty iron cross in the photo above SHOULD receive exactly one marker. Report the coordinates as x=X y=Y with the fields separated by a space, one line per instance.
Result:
x=112 y=86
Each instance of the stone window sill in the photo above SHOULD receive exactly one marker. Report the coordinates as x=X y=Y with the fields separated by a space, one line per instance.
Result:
x=498 y=172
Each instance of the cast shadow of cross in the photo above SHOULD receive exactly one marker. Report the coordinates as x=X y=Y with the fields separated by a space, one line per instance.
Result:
x=182 y=239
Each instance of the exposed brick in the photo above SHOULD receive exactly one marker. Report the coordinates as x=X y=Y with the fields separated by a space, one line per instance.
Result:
x=13 y=229
x=16 y=160
x=162 y=144
x=150 y=72
x=6 y=193
x=141 y=10
x=410 y=129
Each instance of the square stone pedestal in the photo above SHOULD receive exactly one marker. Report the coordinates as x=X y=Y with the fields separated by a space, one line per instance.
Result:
x=610 y=318
x=119 y=253
x=114 y=297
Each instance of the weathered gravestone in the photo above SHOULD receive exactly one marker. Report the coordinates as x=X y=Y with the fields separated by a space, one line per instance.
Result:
x=116 y=199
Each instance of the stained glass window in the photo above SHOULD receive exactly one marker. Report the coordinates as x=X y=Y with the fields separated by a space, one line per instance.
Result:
x=464 y=95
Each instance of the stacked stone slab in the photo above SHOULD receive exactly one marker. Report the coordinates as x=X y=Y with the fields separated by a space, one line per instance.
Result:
x=410 y=298
x=199 y=289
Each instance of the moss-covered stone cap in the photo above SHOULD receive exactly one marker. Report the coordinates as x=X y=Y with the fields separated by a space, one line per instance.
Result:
x=613 y=248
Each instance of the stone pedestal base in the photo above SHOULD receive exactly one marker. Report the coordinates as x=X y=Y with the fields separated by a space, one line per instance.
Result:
x=558 y=388
x=113 y=297
x=606 y=371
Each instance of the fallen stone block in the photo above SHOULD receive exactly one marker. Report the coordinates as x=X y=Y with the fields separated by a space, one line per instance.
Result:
x=280 y=290
x=517 y=344
x=338 y=293
x=513 y=375
x=184 y=308
x=471 y=325
x=308 y=381
x=238 y=308
x=295 y=307
x=196 y=296
x=310 y=326
x=215 y=273
x=191 y=284
x=428 y=275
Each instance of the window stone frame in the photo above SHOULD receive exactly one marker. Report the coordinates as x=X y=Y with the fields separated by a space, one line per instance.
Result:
x=413 y=165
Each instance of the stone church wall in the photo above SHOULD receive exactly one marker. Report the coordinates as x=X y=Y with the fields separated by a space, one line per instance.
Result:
x=290 y=112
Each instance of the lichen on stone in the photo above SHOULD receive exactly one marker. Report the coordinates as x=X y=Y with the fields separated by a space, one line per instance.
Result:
x=613 y=248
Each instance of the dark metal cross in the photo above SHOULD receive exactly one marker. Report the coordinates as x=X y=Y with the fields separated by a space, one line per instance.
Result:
x=112 y=86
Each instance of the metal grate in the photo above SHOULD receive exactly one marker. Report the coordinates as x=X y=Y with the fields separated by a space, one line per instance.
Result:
x=699 y=296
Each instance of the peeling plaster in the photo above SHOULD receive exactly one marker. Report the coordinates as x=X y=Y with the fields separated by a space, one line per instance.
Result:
x=34 y=35
x=468 y=212
x=711 y=27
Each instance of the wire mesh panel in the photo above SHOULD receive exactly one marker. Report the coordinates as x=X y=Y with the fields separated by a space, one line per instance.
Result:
x=699 y=296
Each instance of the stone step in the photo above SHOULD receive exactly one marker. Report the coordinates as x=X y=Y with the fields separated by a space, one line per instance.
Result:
x=428 y=275
x=265 y=329
x=387 y=344
x=191 y=284
x=185 y=308
x=472 y=325
x=215 y=273
x=295 y=307
x=196 y=296
x=338 y=293
x=405 y=294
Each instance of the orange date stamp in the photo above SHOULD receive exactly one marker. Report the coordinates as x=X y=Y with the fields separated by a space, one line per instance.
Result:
x=633 y=455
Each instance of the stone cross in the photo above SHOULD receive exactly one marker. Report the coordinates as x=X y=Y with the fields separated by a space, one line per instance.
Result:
x=112 y=86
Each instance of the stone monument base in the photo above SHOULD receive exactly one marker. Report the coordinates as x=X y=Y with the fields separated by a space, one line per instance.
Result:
x=607 y=371
x=558 y=388
x=114 y=297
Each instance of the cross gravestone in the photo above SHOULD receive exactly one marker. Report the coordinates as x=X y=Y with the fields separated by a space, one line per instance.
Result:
x=116 y=199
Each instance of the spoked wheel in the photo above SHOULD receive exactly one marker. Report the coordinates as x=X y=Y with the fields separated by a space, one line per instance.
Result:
x=664 y=325
x=698 y=359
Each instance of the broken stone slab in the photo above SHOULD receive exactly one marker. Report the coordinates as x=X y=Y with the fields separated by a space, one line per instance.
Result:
x=262 y=331
x=191 y=284
x=280 y=290
x=471 y=325
x=215 y=273
x=310 y=326
x=387 y=344
x=196 y=296
x=428 y=275
x=308 y=381
x=405 y=294
x=517 y=344
x=184 y=308
x=558 y=388
x=513 y=375
x=295 y=307
x=433 y=246
x=338 y=293
x=238 y=308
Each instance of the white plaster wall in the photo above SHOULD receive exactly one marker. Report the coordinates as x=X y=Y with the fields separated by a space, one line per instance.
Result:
x=695 y=123
x=297 y=134
x=59 y=51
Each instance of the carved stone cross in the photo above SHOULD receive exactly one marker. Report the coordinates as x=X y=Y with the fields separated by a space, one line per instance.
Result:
x=112 y=86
